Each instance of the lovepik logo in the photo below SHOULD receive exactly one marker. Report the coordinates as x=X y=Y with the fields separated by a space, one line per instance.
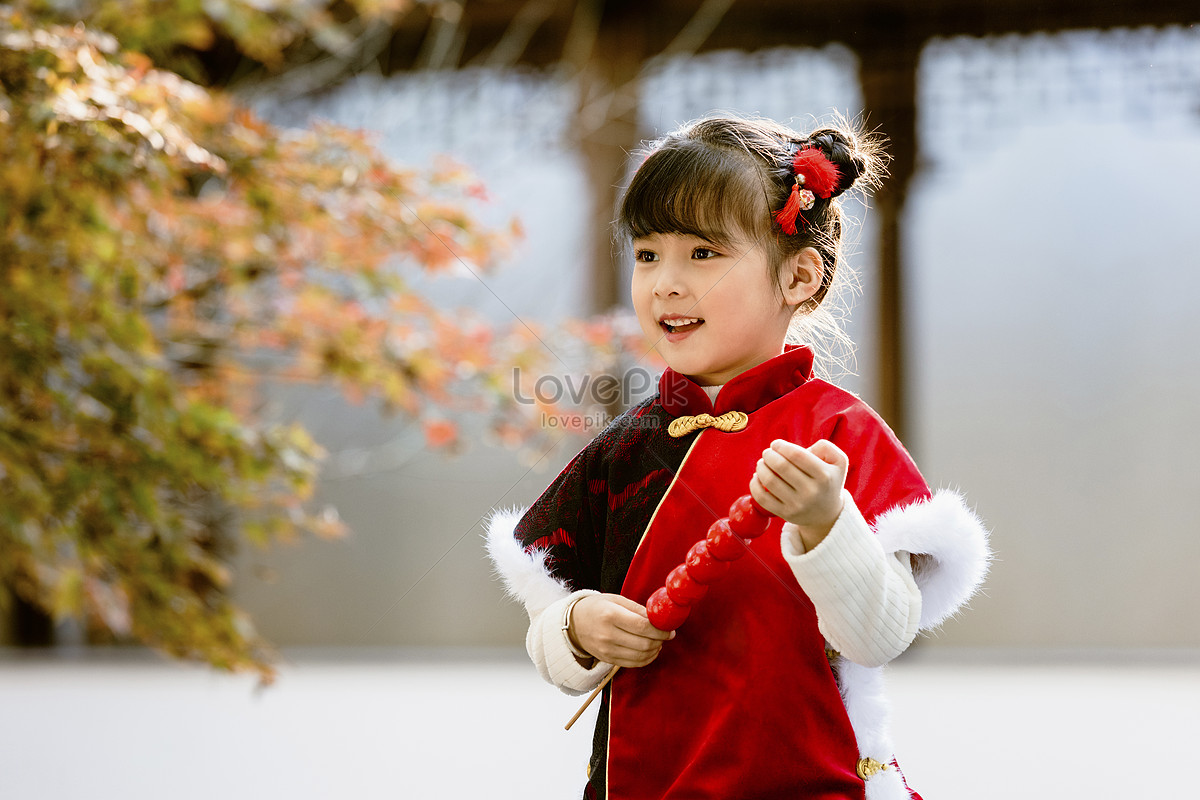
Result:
x=580 y=390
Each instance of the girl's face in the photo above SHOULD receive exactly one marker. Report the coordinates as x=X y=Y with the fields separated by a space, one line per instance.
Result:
x=712 y=310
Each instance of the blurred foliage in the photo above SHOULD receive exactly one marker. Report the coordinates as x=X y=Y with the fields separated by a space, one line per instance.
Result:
x=171 y=32
x=163 y=253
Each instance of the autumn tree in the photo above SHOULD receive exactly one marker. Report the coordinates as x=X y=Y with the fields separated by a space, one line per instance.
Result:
x=163 y=251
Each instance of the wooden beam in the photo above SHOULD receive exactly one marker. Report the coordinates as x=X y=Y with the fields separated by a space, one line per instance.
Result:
x=607 y=126
x=889 y=85
x=756 y=24
x=607 y=55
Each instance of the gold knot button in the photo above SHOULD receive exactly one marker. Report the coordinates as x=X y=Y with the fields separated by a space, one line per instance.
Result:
x=868 y=767
x=729 y=422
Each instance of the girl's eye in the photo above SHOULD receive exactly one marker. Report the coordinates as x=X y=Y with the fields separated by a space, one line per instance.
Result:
x=645 y=255
x=703 y=253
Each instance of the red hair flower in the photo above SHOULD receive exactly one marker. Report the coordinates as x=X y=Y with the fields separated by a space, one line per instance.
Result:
x=819 y=178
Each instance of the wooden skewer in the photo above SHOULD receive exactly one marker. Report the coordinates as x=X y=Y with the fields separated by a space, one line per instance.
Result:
x=592 y=696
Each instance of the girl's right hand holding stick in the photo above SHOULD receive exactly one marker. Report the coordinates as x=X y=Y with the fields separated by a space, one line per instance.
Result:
x=615 y=629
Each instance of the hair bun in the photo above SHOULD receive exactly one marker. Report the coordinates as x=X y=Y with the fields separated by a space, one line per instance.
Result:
x=842 y=150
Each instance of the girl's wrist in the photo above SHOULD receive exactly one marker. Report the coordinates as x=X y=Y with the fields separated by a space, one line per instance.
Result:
x=813 y=532
x=811 y=536
x=569 y=630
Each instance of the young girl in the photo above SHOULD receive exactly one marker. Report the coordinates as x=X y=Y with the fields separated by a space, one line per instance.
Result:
x=772 y=688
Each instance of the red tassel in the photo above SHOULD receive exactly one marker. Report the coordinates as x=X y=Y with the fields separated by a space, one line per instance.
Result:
x=821 y=176
x=790 y=211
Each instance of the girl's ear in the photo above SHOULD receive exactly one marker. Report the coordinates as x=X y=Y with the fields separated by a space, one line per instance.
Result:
x=801 y=276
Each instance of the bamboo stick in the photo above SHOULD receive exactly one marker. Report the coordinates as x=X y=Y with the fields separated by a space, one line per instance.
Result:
x=591 y=697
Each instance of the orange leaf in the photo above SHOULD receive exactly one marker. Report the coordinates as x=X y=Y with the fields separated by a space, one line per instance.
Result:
x=440 y=432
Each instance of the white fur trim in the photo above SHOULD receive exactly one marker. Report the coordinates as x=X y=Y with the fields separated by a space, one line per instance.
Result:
x=525 y=575
x=869 y=712
x=867 y=707
x=887 y=785
x=956 y=543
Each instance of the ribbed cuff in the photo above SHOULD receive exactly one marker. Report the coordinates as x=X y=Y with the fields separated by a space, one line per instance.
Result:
x=552 y=654
x=867 y=603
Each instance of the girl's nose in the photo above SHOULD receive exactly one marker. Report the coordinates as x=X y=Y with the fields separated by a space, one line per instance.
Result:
x=669 y=282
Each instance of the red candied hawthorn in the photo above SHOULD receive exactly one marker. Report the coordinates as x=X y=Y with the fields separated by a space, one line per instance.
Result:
x=682 y=588
x=723 y=543
x=747 y=518
x=706 y=563
x=664 y=613
x=703 y=566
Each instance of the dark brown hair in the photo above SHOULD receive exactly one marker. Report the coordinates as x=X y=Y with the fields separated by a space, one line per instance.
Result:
x=724 y=178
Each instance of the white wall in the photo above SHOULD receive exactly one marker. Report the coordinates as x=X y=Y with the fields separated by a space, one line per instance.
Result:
x=1055 y=375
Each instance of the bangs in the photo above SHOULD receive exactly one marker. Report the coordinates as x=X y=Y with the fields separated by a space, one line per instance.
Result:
x=688 y=187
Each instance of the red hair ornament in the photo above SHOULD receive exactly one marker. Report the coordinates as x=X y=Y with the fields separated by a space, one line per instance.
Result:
x=816 y=176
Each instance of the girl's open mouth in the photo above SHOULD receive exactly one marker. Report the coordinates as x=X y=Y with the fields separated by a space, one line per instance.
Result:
x=680 y=324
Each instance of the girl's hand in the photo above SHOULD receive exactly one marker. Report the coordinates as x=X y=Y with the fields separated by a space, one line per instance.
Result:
x=802 y=485
x=615 y=629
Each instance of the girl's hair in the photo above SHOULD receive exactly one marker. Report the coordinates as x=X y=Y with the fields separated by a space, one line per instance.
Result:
x=724 y=178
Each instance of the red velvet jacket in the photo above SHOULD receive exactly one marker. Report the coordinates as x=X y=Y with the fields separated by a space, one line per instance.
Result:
x=743 y=702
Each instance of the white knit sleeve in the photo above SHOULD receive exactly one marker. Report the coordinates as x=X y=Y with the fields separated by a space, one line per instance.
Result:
x=551 y=653
x=868 y=605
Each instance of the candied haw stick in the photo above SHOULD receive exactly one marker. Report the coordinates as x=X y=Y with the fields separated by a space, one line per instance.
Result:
x=706 y=563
